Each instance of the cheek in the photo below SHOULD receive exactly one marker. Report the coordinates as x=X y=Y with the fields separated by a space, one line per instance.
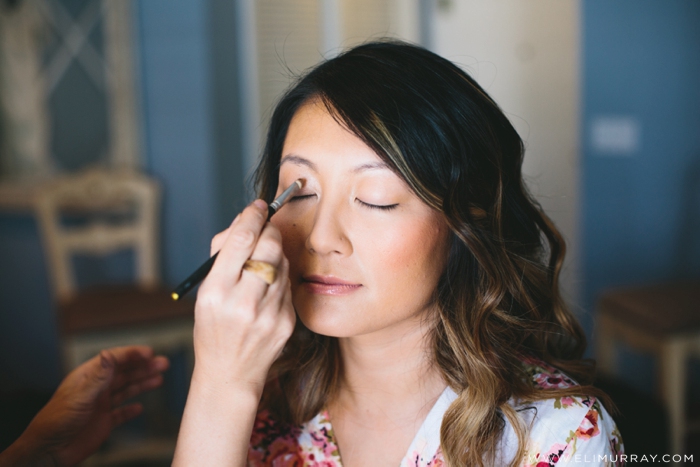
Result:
x=406 y=262
x=291 y=242
x=293 y=238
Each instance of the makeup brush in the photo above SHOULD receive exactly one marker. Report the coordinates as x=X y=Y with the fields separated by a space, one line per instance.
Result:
x=201 y=272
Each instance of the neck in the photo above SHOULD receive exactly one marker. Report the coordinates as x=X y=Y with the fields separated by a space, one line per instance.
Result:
x=389 y=368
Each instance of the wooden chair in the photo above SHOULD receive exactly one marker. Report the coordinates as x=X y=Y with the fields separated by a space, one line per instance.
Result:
x=663 y=319
x=111 y=211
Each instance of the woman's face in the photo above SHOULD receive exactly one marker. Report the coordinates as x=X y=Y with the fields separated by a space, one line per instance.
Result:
x=365 y=252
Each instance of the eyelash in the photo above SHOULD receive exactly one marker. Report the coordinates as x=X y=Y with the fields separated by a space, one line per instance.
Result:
x=388 y=207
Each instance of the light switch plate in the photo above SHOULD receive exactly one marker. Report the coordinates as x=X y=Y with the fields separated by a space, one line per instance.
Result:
x=615 y=135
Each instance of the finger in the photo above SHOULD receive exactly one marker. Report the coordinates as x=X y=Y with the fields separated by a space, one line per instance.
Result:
x=140 y=372
x=126 y=413
x=269 y=250
x=101 y=370
x=276 y=290
x=128 y=355
x=286 y=297
x=132 y=377
x=158 y=362
x=134 y=389
x=287 y=314
x=218 y=241
x=239 y=244
x=282 y=297
x=283 y=282
x=278 y=306
x=92 y=377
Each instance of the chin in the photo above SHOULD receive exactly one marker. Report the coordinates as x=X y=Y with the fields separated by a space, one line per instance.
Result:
x=326 y=318
x=323 y=314
x=324 y=323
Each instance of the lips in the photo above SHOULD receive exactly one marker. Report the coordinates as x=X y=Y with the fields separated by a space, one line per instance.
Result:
x=328 y=285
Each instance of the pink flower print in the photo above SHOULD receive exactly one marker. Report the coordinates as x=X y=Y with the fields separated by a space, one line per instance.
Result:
x=261 y=428
x=288 y=460
x=617 y=448
x=564 y=402
x=437 y=460
x=324 y=463
x=255 y=457
x=589 y=426
x=322 y=441
x=588 y=400
x=567 y=401
x=536 y=363
x=266 y=428
x=284 y=452
x=552 y=457
x=553 y=381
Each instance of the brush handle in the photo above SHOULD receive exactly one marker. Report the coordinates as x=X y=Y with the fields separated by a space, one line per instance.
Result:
x=195 y=278
x=201 y=272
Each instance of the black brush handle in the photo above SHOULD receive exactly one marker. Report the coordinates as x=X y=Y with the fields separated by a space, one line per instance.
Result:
x=195 y=278
x=202 y=271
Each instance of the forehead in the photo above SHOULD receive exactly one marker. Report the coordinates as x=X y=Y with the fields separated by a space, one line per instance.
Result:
x=314 y=139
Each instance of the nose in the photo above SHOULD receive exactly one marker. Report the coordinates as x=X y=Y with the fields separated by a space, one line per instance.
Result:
x=328 y=235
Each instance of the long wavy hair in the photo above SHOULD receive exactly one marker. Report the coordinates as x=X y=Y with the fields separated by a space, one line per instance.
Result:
x=498 y=298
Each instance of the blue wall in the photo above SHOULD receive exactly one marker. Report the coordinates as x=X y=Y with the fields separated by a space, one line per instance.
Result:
x=28 y=340
x=641 y=211
x=191 y=143
x=175 y=66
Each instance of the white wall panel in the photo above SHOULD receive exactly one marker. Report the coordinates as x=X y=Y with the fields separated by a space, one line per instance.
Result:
x=526 y=55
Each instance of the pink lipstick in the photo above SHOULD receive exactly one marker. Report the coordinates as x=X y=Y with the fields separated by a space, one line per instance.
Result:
x=328 y=285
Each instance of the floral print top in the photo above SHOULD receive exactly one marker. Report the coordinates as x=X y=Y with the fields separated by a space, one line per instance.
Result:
x=563 y=431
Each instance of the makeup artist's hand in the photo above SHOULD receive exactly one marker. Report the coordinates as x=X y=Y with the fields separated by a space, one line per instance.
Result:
x=241 y=323
x=86 y=407
x=241 y=326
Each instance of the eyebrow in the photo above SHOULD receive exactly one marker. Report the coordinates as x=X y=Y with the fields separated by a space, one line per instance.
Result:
x=298 y=160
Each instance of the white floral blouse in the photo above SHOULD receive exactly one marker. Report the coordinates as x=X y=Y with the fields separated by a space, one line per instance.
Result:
x=564 y=431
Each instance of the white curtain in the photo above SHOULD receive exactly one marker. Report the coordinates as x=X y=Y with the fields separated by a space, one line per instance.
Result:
x=289 y=37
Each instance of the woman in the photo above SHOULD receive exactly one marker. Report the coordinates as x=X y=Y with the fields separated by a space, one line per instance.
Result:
x=425 y=279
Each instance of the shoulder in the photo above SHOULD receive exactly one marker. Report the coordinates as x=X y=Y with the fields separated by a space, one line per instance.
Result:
x=565 y=429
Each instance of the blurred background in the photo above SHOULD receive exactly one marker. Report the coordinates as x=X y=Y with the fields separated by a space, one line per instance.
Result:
x=604 y=94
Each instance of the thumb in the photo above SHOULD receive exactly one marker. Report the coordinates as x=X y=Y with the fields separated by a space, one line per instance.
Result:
x=101 y=374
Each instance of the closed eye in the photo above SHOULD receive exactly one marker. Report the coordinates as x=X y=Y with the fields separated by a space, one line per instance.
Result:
x=387 y=207
x=300 y=197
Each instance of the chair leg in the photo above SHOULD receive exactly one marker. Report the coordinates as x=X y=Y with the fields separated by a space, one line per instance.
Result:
x=605 y=345
x=673 y=382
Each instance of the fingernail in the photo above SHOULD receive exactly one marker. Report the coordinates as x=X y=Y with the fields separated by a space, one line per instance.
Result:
x=161 y=364
x=260 y=204
x=104 y=360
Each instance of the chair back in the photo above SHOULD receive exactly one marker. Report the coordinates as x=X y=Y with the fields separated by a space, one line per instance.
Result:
x=118 y=210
